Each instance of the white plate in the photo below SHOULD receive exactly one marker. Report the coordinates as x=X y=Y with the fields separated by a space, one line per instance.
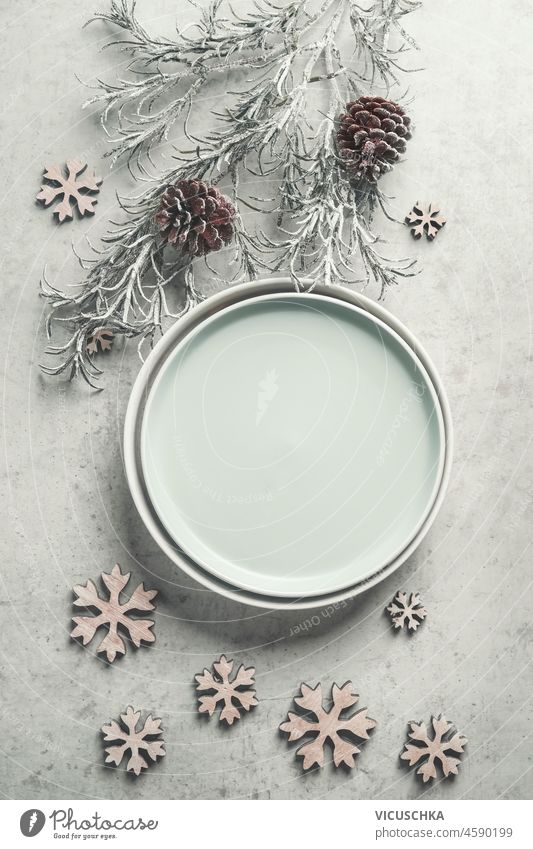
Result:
x=132 y=429
x=293 y=445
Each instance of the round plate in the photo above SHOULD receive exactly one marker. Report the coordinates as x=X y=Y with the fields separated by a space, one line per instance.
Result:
x=293 y=445
x=135 y=412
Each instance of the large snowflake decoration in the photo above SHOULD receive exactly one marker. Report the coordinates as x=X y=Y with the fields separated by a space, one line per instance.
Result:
x=113 y=614
x=428 y=751
x=232 y=693
x=328 y=726
x=146 y=738
x=407 y=611
x=73 y=186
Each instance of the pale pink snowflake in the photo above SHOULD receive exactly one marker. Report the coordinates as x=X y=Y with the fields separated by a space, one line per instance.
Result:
x=231 y=692
x=328 y=726
x=428 y=751
x=407 y=611
x=72 y=186
x=135 y=740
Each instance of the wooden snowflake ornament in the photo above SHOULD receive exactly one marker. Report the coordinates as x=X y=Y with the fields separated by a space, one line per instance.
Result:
x=406 y=611
x=428 y=751
x=425 y=220
x=113 y=614
x=146 y=738
x=100 y=339
x=72 y=186
x=333 y=726
x=232 y=691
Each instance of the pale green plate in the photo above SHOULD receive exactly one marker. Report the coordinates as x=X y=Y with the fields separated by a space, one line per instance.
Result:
x=292 y=444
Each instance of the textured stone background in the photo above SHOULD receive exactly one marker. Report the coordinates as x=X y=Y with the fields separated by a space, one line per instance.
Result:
x=67 y=513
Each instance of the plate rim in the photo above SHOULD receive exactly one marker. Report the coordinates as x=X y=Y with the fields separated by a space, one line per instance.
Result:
x=206 y=581
x=217 y=568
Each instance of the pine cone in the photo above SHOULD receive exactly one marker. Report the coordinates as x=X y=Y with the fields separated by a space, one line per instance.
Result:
x=195 y=217
x=371 y=136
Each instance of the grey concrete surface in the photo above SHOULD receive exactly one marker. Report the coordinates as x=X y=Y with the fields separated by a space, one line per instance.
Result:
x=67 y=513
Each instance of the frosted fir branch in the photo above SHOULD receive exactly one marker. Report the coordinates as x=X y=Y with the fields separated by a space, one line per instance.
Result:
x=216 y=45
x=129 y=288
x=324 y=232
x=216 y=37
x=323 y=217
x=264 y=129
x=134 y=308
x=269 y=39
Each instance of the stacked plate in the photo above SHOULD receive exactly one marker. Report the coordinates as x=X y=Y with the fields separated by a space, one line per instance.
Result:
x=288 y=449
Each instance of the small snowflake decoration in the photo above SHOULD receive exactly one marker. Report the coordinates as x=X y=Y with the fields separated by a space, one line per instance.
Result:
x=328 y=726
x=99 y=338
x=146 y=738
x=428 y=751
x=407 y=611
x=73 y=186
x=233 y=692
x=113 y=613
x=428 y=221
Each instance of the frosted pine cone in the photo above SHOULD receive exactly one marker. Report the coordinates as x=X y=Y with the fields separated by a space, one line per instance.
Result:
x=196 y=217
x=371 y=136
